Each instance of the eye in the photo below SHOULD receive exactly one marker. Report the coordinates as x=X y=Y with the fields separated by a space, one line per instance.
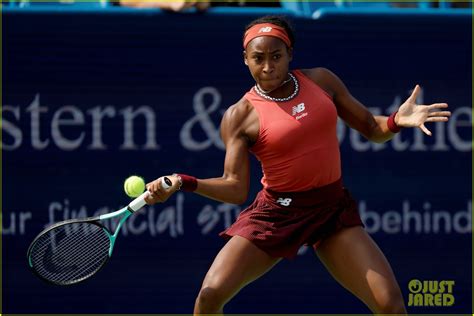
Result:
x=276 y=56
x=257 y=58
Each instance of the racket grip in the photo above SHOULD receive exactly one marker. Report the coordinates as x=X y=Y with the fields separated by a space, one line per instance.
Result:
x=166 y=183
x=139 y=202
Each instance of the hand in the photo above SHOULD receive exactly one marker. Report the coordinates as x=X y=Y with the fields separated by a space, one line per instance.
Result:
x=411 y=114
x=159 y=194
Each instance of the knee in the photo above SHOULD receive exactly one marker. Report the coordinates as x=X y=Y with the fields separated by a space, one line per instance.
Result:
x=390 y=302
x=209 y=301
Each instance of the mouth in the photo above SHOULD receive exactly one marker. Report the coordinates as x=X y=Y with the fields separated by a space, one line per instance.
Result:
x=268 y=82
x=267 y=86
x=269 y=79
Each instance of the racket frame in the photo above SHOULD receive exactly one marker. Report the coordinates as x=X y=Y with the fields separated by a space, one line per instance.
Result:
x=90 y=220
x=131 y=208
x=96 y=220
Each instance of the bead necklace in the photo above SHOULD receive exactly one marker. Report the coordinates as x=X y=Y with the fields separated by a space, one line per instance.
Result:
x=265 y=95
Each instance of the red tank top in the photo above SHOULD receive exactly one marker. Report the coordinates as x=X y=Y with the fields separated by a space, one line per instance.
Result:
x=297 y=143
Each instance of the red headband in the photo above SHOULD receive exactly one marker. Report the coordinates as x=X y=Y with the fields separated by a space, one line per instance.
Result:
x=266 y=29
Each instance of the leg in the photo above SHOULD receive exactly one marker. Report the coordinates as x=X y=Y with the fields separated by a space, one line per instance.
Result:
x=238 y=263
x=355 y=261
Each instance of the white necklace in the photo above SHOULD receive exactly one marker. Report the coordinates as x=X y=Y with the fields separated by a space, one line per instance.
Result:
x=265 y=95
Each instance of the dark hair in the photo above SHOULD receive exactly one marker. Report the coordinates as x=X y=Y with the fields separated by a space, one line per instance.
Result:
x=279 y=20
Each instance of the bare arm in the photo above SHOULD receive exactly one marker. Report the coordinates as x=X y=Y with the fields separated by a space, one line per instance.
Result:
x=233 y=185
x=373 y=127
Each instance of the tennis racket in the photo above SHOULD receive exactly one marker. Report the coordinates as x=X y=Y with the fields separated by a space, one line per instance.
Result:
x=72 y=251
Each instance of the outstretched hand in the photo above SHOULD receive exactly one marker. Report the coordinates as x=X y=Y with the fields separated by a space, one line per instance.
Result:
x=411 y=114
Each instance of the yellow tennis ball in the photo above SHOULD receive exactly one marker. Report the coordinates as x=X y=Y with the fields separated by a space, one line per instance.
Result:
x=134 y=186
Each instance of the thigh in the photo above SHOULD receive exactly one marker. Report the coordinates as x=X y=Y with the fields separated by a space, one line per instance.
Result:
x=357 y=263
x=237 y=264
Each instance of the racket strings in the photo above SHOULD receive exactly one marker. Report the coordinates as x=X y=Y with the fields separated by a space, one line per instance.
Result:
x=70 y=253
x=58 y=234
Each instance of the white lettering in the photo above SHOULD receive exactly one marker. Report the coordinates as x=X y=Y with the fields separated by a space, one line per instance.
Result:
x=11 y=129
x=454 y=122
x=410 y=221
x=129 y=115
x=57 y=121
x=69 y=119
x=391 y=222
x=35 y=109
x=24 y=216
x=361 y=144
x=210 y=216
x=202 y=117
x=370 y=219
x=462 y=220
x=201 y=131
x=97 y=114
x=9 y=229
x=440 y=140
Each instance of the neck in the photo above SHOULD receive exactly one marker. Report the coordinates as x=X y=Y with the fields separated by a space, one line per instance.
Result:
x=281 y=85
x=265 y=95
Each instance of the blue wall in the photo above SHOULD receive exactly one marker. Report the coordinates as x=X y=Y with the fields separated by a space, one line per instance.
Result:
x=72 y=83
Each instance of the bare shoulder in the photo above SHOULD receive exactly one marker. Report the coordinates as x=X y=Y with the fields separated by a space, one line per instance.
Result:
x=237 y=114
x=240 y=120
x=324 y=78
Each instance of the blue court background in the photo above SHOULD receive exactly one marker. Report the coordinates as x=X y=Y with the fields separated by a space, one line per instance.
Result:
x=73 y=81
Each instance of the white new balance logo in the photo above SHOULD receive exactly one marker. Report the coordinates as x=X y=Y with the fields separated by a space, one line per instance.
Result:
x=265 y=29
x=284 y=202
x=298 y=109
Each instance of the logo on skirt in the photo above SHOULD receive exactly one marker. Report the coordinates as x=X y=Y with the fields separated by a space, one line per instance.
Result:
x=284 y=202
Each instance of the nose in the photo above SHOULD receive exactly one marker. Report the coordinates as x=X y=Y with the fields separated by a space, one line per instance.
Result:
x=268 y=67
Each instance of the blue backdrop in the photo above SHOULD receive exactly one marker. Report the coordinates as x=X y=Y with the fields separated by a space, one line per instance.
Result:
x=90 y=98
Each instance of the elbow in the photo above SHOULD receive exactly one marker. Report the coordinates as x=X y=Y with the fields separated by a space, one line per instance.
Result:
x=237 y=192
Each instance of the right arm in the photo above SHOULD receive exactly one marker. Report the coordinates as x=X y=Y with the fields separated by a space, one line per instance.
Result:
x=233 y=186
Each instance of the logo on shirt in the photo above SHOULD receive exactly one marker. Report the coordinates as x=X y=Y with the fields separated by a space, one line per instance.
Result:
x=265 y=29
x=297 y=109
x=284 y=202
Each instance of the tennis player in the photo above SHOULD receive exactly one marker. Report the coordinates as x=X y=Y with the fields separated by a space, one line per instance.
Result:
x=288 y=121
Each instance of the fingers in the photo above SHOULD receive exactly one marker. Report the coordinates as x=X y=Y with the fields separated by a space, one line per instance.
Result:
x=438 y=106
x=439 y=113
x=157 y=194
x=434 y=115
x=414 y=94
x=425 y=130
x=154 y=198
x=437 y=119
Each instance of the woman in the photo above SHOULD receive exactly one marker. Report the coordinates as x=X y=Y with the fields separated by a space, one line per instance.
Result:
x=288 y=120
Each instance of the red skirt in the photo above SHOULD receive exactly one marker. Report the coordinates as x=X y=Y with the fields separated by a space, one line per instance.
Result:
x=280 y=223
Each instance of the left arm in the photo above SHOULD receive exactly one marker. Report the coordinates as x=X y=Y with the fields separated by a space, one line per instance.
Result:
x=374 y=127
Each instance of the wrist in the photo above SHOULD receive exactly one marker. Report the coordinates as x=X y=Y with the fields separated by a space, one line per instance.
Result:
x=186 y=182
x=391 y=124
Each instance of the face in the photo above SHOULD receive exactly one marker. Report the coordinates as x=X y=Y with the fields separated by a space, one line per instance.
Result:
x=268 y=60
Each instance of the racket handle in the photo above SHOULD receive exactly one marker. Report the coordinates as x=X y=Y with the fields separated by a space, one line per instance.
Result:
x=166 y=183
x=139 y=202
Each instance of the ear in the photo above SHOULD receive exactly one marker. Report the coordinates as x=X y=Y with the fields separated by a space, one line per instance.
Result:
x=245 y=58
x=290 y=53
